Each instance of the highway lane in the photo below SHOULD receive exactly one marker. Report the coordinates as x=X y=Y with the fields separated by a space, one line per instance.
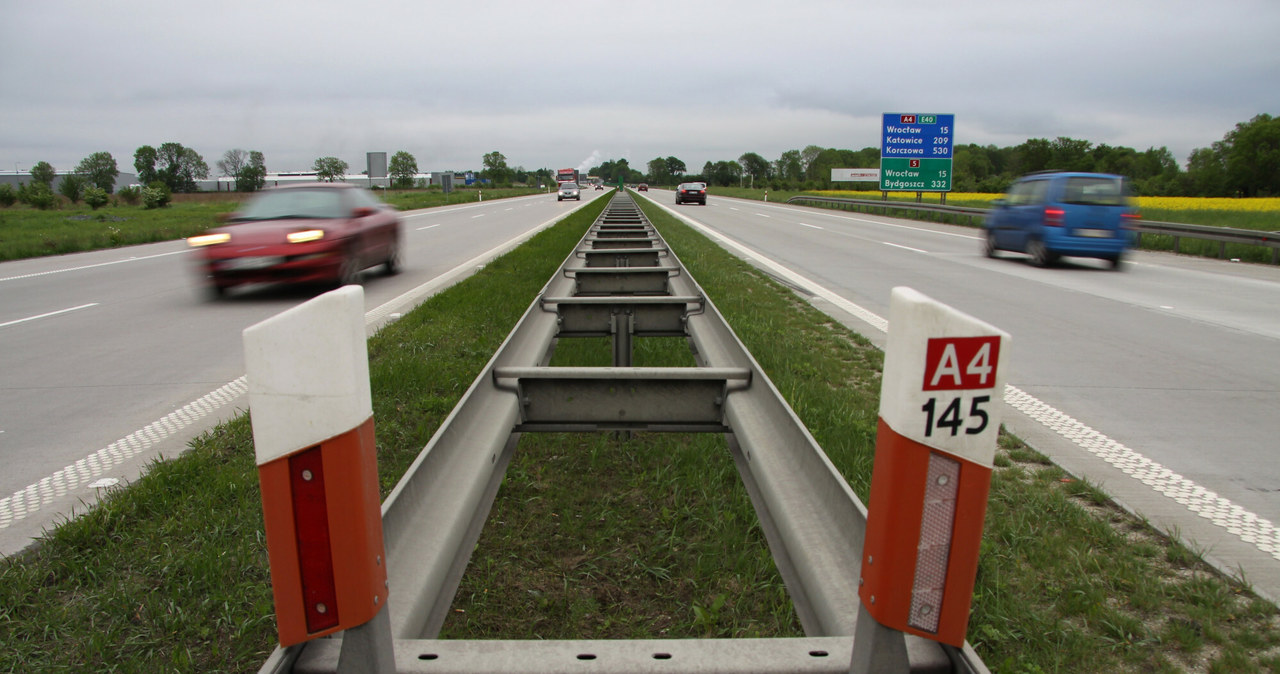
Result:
x=111 y=358
x=1173 y=360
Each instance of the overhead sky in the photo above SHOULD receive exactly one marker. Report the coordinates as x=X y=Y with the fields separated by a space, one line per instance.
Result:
x=574 y=83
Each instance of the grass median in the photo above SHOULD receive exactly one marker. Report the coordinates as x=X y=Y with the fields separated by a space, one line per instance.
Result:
x=595 y=537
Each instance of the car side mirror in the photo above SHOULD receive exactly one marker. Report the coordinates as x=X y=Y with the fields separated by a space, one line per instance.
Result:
x=363 y=212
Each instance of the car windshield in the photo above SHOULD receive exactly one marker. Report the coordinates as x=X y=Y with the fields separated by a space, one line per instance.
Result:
x=569 y=186
x=1096 y=191
x=291 y=203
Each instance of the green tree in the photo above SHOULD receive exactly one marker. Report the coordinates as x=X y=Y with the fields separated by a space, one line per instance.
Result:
x=180 y=167
x=722 y=173
x=96 y=197
x=144 y=162
x=809 y=154
x=7 y=196
x=252 y=177
x=1252 y=157
x=790 y=166
x=495 y=167
x=1207 y=172
x=72 y=187
x=675 y=167
x=42 y=173
x=754 y=167
x=402 y=169
x=330 y=169
x=100 y=170
x=657 y=173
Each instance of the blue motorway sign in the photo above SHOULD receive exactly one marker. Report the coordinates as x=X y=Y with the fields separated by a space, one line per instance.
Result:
x=917 y=136
x=915 y=152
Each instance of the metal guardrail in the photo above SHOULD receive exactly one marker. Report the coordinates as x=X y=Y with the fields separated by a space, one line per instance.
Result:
x=813 y=522
x=1178 y=231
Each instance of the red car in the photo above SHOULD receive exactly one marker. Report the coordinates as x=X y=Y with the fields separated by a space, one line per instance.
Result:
x=642 y=188
x=316 y=233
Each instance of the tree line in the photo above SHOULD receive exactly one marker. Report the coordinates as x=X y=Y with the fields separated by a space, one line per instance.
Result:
x=1245 y=163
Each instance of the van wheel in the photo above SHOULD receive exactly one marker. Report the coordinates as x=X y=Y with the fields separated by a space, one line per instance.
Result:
x=990 y=246
x=1040 y=256
x=1116 y=263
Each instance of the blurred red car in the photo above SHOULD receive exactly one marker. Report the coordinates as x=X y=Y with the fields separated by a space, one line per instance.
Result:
x=325 y=233
x=642 y=188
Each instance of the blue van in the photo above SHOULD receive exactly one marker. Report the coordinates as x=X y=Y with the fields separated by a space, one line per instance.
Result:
x=1052 y=214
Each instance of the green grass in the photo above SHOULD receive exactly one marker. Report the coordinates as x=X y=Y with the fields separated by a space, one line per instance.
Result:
x=27 y=232
x=592 y=536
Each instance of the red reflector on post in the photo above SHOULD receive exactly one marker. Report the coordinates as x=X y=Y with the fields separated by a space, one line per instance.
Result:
x=315 y=558
x=936 y=522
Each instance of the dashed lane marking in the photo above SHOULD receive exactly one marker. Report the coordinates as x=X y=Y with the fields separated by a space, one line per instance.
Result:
x=1236 y=520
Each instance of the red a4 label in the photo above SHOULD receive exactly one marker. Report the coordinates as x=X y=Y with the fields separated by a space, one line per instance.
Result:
x=961 y=363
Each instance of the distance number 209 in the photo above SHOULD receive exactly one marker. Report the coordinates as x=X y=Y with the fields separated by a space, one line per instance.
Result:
x=952 y=417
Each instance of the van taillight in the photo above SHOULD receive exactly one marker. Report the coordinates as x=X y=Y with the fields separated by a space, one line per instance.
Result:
x=1053 y=217
x=1127 y=219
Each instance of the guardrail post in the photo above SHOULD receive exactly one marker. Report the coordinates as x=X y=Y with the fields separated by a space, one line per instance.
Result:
x=940 y=411
x=312 y=411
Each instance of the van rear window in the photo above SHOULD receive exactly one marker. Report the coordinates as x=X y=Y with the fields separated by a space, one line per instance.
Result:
x=1096 y=191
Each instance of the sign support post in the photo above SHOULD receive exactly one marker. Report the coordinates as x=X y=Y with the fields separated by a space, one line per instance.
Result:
x=940 y=411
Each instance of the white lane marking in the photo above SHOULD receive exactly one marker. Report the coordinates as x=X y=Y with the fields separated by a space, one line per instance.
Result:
x=805 y=224
x=881 y=223
x=762 y=215
x=1244 y=524
x=92 y=266
x=428 y=227
x=51 y=313
x=1250 y=528
x=27 y=501
x=478 y=216
x=898 y=245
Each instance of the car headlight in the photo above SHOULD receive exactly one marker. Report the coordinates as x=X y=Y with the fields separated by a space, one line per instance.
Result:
x=306 y=235
x=208 y=239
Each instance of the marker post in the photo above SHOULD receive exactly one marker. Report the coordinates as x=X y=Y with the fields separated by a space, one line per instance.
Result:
x=940 y=409
x=308 y=373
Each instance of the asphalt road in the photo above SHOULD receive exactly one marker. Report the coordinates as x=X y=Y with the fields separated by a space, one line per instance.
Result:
x=1160 y=382
x=112 y=358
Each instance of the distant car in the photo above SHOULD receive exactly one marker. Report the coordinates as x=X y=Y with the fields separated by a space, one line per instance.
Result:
x=691 y=193
x=1053 y=214
x=599 y=187
x=316 y=233
x=569 y=191
x=642 y=188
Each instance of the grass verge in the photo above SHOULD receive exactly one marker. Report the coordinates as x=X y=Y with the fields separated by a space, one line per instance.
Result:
x=592 y=537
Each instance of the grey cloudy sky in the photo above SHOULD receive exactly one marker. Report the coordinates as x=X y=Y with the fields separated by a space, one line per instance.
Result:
x=574 y=83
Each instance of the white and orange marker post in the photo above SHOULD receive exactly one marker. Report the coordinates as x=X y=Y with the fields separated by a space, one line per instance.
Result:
x=308 y=372
x=941 y=403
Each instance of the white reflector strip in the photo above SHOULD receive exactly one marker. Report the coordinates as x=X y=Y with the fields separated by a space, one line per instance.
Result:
x=935 y=542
